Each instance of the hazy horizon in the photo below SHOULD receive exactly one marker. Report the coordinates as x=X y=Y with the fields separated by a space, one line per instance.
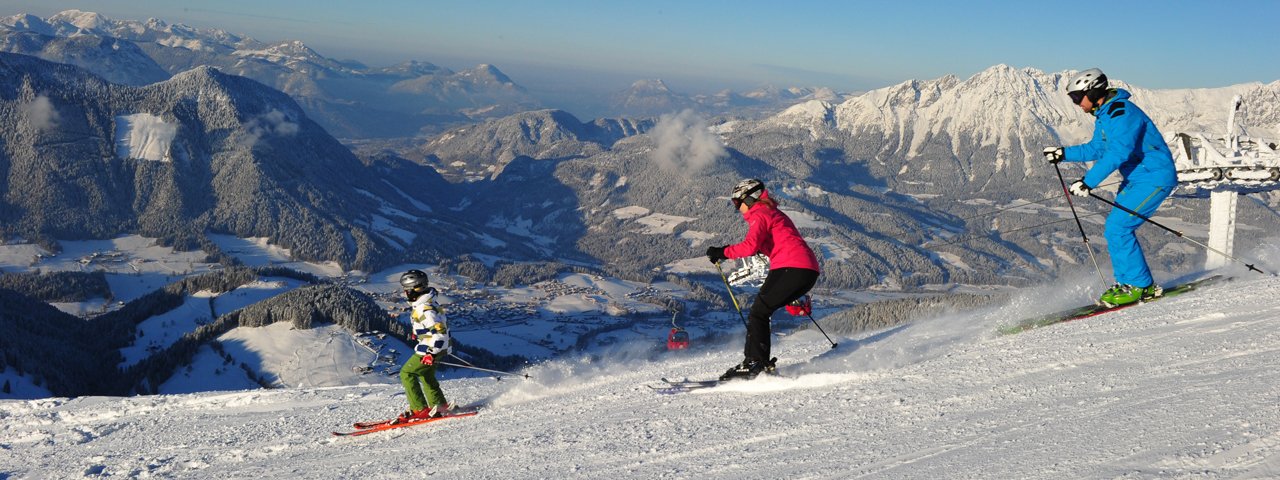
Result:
x=702 y=47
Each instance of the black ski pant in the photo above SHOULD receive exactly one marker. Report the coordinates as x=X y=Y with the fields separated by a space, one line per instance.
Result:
x=782 y=286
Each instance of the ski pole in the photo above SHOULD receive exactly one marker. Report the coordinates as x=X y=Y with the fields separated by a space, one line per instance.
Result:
x=1079 y=225
x=824 y=333
x=731 y=297
x=1175 y=232
x=473 y=367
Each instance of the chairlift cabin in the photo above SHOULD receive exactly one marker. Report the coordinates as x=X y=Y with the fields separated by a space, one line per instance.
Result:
x=678 y=339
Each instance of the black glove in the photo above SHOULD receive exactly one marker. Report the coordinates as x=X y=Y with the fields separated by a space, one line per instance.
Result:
x=1079 y=189
x=716 y=254
x=1053 y=154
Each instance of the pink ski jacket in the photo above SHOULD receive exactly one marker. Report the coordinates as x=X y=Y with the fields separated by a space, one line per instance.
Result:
x=771 y=232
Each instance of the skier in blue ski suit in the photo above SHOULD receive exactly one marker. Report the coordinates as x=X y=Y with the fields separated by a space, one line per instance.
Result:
x=1124 y=139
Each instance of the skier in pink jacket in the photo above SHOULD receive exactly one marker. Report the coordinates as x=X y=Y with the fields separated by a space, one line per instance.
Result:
x=793 y=270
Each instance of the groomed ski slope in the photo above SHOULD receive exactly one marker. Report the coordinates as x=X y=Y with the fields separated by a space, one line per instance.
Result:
x=1188 y=387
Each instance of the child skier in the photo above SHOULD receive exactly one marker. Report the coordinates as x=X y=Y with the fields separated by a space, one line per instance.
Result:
x=432 y=334
x=793 y=269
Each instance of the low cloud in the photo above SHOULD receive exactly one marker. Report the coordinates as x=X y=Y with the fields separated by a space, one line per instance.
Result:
x=274 y=122
x=40 y=113
x=685 y=145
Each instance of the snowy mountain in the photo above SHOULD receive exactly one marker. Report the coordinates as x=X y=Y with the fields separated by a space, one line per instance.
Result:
x=484 y=149
x=203 y=152
x=652 y=98
x=117 y=61
x=347 y=98
x=1181 y=388
x=984 y=133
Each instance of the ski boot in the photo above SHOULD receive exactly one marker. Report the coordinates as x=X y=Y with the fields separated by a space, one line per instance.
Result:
x=438 y=410
x=749 y=369
x=412 y=415
x=1126 y=294
x=1108 y=297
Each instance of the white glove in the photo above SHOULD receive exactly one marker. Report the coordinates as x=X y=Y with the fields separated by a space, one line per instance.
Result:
x=1079 y=189
x=1053 y=154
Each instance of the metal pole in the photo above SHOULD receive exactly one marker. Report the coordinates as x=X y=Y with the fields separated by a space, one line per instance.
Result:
x=824 y=333
x=441 y=362
x=1175 y=232
x=1079 y=225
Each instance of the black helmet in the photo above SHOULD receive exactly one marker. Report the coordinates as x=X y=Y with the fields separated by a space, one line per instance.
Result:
x=747 y=191
x=414 y=283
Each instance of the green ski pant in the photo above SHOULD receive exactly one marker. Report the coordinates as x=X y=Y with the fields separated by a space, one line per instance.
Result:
x=413 y=375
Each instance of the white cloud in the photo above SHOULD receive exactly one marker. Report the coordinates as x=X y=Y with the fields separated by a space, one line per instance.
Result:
x=685 y=145
x=41 y=113
x=274 y=122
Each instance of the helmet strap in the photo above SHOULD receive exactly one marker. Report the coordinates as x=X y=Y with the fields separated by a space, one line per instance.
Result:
x=748 y=199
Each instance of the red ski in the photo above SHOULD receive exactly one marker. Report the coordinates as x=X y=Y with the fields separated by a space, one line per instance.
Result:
x=376 y=423
x=387 y=425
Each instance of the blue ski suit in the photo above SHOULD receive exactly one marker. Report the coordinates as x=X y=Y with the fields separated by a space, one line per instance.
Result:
x=1125 y=139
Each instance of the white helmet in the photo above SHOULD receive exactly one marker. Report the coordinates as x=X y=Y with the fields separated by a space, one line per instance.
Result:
x=1091 y=79
x=747 y=191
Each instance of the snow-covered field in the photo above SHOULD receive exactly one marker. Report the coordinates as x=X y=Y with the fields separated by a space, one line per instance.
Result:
x=1188 y=387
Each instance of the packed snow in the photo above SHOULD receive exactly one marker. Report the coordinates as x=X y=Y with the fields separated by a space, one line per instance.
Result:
x=1181 y=388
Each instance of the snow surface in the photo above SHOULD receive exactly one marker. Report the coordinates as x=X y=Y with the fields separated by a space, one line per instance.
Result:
x=19 y=387
x=661 y=223
x=144 y=136
x=160 y=331
x=258 y=251
x=133 y=265
x=1182 y=388
x=322 y=358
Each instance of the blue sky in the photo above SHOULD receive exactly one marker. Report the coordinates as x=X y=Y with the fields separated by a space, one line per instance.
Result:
x=708 y=45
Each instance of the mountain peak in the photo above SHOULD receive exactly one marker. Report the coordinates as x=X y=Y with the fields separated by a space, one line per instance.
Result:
x=28 y=22
x=650 y=85
x=90 y=21
x=489 y=72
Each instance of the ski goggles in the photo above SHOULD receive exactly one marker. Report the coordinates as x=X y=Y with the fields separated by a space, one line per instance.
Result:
x=737 y=202
x=1076 y=96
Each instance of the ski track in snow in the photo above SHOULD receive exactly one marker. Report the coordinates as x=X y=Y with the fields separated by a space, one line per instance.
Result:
x=1188 y=387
